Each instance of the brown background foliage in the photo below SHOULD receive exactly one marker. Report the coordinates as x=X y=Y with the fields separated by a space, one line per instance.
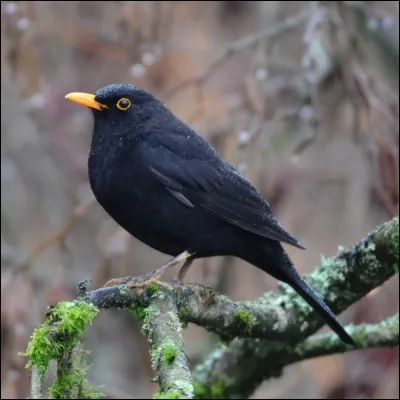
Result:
x=325 y=156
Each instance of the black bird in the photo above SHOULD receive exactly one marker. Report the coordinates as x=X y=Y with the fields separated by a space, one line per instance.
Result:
x=165 y=185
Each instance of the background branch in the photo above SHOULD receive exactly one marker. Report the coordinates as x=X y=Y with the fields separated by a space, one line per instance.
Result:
x=367 y=336
x=240 y=45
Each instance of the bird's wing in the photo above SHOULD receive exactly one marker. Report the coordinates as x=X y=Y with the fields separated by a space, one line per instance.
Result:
x=218 y=188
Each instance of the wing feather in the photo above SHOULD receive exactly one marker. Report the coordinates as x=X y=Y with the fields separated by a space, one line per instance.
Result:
x=219 y=189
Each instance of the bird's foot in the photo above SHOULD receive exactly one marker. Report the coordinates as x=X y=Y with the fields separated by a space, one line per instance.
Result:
x=119 y=281
x=137 y=282
x=144 y=280
x=154 y=276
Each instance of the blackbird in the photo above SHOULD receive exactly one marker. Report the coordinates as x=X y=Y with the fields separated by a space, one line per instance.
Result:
x=164 y=184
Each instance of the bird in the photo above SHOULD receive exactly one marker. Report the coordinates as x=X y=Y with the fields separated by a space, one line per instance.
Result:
x=162 y=182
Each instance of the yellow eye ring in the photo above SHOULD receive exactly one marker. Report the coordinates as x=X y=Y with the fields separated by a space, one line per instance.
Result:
x=123 y=104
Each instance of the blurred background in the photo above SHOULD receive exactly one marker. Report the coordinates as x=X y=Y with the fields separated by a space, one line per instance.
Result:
x=308 y=113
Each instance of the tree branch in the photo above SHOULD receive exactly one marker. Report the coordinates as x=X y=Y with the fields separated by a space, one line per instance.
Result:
x=384 y=334
x=58 y=339
x=234 y=371
x=203 y=306
x=163 y=330
x=342 y=280
x=36 y=384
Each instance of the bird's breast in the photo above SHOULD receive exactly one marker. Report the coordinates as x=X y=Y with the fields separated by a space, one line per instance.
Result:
x=129 y=192
x=131 y=195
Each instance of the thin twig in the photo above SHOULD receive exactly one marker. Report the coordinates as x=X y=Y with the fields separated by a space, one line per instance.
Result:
x=384 y=334
x=240 y=45
x=59 y=235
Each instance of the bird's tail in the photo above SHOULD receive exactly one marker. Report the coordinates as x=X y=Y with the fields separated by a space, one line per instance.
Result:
x=315 y=301
x=278 y=265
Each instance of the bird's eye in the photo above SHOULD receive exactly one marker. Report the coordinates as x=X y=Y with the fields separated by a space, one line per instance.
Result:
x=123 y=104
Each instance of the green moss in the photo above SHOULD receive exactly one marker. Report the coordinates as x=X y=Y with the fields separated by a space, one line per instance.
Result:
x=89 y=394
x=166 y=352
x=73 y=317
x=152 y=288
x=184 y=324
x=56 y=339
x=138 y=311
x=40 y=350
x=169 y=351
x=174 y=394
x=71 y=381
x=200 y=392
x=244 y=317
x=218 y=390
x=66 y=382
x=147 y=316
x=225 y=341
x=184 y=312
x=60 y=332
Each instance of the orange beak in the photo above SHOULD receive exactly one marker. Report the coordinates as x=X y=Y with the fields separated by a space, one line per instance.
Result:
x=85 y=99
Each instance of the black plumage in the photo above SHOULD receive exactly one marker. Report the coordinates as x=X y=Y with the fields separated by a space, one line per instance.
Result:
x=164 y=184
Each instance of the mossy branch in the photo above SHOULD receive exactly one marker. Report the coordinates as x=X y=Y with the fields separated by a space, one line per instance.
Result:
x=341 y=280
x=384 y=334
x=57 y=339
x=203 y=306
x=162 y=328
x=235 y=370
x=367 y=336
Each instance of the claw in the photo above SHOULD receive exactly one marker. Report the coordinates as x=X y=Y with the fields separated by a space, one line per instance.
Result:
x=118 y=281
x=143 y=280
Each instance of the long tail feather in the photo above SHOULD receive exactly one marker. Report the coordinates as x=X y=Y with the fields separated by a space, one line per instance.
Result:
x=273 y=260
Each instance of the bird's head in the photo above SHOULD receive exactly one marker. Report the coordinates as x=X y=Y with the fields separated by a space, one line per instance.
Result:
x=119 y=108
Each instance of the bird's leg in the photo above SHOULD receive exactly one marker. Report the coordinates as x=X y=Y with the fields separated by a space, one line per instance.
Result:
x=183 y=271
x=156 y=275
x=143 y=280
